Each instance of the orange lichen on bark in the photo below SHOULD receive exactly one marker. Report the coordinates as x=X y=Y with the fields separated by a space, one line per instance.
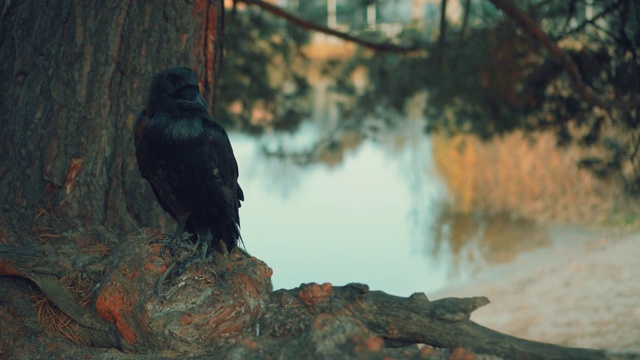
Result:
x=115 y=307
x=247 y=284
x=231 y=320
x=267 y=273
x=186 y=319
x=392 y=330
x=74 y=168
x=374 y=343
x=426 y=350
x=461 y=354
x=370 y=343
x=8 y=269
x=230 y=328
x=313 y=293
x=227 y=322
x=133 y=274
x=156 y=269
x=199 y=7
x=205 y=45
x=200 y=12
x=235 y=299
x=212 y=24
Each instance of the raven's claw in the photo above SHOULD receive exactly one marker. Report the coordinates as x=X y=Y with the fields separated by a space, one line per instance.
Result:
x=178 y=267
x=198 y=257
x=174 y=242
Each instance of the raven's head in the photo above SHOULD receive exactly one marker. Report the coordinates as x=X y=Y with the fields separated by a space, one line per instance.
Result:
x=175 y=90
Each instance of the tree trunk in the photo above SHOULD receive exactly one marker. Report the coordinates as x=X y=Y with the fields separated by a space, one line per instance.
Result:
x=75 y=76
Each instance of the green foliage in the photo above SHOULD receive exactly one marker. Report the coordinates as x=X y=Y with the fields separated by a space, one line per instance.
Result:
x=262 y=83
x=490 y=79
x=496 y=79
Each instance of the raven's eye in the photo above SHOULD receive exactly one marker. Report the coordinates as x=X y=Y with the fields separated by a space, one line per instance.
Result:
x=188 y=93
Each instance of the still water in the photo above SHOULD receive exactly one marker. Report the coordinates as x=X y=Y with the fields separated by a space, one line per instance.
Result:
x=368 y=219
x=375 y=213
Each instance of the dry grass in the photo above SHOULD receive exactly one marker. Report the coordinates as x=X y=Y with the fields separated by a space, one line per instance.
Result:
x=45 y=234
x=528 y=177
x=96 y=249
x=54 y=320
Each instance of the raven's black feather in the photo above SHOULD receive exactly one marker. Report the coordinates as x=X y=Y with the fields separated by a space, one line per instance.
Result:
x=187 y=158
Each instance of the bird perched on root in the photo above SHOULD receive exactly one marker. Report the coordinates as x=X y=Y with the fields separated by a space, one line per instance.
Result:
x=187 y=158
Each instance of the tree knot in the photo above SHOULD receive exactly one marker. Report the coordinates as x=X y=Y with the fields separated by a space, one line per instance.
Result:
x=456 y=309
x=313 y=293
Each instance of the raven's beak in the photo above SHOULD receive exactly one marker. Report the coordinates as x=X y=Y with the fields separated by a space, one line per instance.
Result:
x=197 y=104
x=201 y=103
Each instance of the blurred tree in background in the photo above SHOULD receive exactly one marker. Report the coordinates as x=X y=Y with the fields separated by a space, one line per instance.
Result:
x=263 y=84
x=496 y=66
x=495 y=78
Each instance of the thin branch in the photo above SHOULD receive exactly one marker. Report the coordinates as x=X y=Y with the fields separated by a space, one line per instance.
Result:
x=624 y=18
x=570 y=14
x=605 y=31
x=277 y=11
x=591 y=21
x=634 y=163
x=443 y=33
x=465 y=19
x=528 y=25
x=636 y=147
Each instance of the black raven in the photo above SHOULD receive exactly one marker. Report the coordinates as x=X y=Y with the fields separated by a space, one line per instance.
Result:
x=187 y=158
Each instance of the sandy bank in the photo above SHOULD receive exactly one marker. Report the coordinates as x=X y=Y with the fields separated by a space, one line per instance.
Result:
x=582 y=291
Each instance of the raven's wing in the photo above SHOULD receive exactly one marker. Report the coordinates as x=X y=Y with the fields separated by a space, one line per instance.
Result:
x=224 y=166
x=151 y=170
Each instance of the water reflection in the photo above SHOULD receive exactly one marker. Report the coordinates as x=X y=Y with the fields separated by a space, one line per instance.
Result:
x=339 y=224
x=373 y=217
x=476 y=241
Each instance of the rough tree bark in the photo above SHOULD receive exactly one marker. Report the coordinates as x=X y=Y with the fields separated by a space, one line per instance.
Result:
x=228 y=309
x=75 y=75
